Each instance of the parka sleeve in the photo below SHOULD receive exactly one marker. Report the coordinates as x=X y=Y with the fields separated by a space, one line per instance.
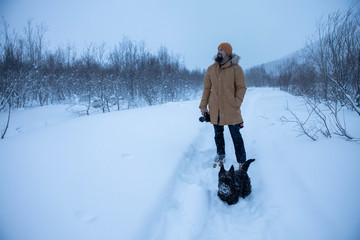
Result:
x=206 y=92
x=240 y=86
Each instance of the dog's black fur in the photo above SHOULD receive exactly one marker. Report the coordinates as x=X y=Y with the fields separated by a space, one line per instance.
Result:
x=234 y=184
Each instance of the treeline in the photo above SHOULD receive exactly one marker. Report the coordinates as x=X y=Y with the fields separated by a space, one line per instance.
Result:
x=326 y=73
x=327 y=69
x=126 y=76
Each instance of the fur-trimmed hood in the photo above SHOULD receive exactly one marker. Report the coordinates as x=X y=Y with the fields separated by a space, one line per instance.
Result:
x=234 y=59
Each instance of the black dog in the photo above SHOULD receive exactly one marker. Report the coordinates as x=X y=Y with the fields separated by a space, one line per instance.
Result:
x=234 y=184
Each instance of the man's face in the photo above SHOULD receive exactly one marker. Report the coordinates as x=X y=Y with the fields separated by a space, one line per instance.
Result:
x=222 y=53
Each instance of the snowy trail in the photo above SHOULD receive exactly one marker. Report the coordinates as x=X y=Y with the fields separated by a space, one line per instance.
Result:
x=194 y=203
x=221 y=221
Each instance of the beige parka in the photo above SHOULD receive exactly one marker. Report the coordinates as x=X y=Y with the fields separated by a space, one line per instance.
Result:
x=224 y=91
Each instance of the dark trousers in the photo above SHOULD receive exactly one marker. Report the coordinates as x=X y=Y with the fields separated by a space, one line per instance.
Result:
x=237 y=140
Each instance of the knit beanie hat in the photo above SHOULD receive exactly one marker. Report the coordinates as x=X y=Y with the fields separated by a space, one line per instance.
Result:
x=226 y=47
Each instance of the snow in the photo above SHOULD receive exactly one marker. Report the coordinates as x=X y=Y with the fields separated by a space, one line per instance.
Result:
x=147 y=174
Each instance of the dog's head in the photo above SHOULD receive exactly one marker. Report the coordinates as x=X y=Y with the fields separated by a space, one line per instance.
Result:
x=234 y=184
x=226 y=189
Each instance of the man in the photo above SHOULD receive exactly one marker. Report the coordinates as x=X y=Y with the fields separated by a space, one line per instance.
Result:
x=224 y=91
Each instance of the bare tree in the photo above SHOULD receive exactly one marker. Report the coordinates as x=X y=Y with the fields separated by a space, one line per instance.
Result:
x=330 y=76
x=336 y=55
x=6 y=101
x=304 y=127
x=321 y=118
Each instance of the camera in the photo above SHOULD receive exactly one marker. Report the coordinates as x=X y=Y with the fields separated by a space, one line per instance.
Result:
x=205 y=118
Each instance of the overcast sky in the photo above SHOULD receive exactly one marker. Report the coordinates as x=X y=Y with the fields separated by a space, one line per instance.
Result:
x=259 y=30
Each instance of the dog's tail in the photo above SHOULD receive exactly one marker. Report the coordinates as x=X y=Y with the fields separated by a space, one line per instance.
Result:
x=246 y=164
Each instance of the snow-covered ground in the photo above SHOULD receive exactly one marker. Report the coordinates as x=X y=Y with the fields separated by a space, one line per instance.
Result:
x=147 y=174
